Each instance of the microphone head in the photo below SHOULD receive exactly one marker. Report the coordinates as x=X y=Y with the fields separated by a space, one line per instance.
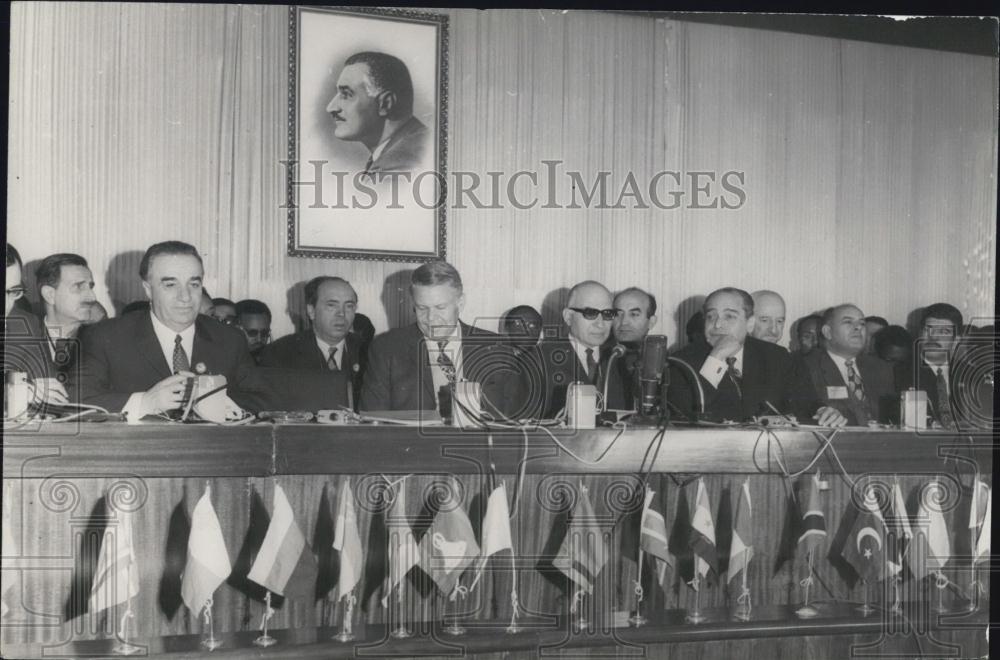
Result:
x=654 y=356
x=618 y=351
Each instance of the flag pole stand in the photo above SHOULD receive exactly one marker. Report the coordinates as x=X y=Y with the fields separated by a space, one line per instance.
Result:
x=579 y=622
x=865 y=608
x=122 y=646
x=513 y=628
x=897 y=606
x=266 y=640
x=210 y=641
x=400 y=631
x=455 y=629
x=975 y=586
x=743 y=604
x=695 y=615
x=807 y=611
x=346 y=633
x=941 y=582
x=637 y=619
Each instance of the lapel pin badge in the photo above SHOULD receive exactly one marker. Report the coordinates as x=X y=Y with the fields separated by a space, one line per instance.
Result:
x=200 y=368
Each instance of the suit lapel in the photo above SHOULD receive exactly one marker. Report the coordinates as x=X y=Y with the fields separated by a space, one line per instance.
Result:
x=309 y=351
x=422 y=368
x=149 y=347
x=831 y=374
x=202 y=345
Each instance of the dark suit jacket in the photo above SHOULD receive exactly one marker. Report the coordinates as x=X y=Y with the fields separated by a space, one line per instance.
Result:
x=767 y=376
x=121 y=356
x=404 y=150
x=971 y=403
x=299 y=351
x=398 y=375
x=561 y=366
x=25 y=346
x=821 y=372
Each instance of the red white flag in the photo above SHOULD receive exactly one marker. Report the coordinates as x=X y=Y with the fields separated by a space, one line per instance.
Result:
x=207 y=564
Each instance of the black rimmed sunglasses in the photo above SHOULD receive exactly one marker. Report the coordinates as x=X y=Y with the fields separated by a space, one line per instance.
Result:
x=590 y=313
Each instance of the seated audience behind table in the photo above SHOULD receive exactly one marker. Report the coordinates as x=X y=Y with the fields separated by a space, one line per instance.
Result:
x=522 y=327
x=139 y=363
x=636 y=317
x=939 y=336
x=843 y=376
x=66 y=288
x=873 y=324
x=807 y=333
x=253 y=317
x=24 y=340
x=894 y=345
x=769 y=316
x=740 y=375
x=409 y=366
x=579 y=357
x=224 y=310
x=328 y=345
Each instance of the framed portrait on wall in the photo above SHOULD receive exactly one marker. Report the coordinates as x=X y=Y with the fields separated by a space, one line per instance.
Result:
x=367 y=133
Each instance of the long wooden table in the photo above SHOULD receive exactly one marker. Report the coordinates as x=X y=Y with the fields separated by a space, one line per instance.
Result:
x=67 y=481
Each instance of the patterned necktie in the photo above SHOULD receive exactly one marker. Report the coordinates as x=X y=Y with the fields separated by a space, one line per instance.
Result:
x=443 y=361
x=591 y=366
x=943 y=403
x=331 y=360
x=855 y=387
x=734 y=375
x=180 y=356
x=63 y=354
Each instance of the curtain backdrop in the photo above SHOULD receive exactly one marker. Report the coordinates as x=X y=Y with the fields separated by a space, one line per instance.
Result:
x=869 y=170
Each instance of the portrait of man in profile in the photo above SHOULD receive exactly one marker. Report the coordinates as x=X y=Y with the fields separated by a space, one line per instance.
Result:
x=373 y=104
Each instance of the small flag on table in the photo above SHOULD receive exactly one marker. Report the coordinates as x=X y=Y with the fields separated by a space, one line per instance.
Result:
x=932 y=546
x=653 y=537
x=982 y=550
x=899 y=525
x=284 y=552
x=347 y=541
x=117 y=577
x=449 y=545
x=9 y=549
x=741 y=550
x=582 y=554
x=403 y=551
x=980 y=500
x=813 y=520
x=496 y=528
x=207 y=564
x=703 y=534
x=864 y=549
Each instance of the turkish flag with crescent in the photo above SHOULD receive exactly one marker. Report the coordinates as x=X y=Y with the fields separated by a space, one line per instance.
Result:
x=865 y=546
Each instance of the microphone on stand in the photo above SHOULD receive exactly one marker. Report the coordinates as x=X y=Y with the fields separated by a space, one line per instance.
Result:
x=616 y=352
x=652 y=362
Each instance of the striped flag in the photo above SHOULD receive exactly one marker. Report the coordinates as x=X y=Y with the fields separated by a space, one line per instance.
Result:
x=347 y=541
x=582 y=554
x=403 y=551
x=9 y=549
x=741 y=550
x=653 y=537
x=982 y=550
x=931 y=544
x=703 y=533
x=813 y=519
x=284 y=551
x=117 y=576
x=207 y=564
x=899 y=524
x=449 y=545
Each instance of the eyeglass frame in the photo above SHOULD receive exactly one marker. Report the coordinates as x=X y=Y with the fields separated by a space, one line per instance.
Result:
x=591 y=313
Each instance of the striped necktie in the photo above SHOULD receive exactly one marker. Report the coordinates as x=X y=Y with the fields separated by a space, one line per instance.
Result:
x=331 y=360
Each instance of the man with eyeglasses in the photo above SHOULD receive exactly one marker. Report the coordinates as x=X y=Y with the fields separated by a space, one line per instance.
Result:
x=329 y=345
x=24 y=339
x=741 y=376
x=939 y=336
x=254 y=318
x=66 y=287
x=859 y=386
x=409 y=368
x=224 y=311
x=140 y=363
x=579 y=357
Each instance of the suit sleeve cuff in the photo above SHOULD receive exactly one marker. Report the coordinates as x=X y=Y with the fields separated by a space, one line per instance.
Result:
x=133 y=408
x=713 y=370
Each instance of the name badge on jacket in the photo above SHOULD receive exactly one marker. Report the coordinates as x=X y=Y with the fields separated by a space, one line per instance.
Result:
x=836 y=392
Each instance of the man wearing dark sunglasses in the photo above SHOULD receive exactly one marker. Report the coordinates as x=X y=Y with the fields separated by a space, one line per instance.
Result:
x=579 y=357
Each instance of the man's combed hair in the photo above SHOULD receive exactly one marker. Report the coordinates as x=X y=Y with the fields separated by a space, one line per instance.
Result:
x=388 y=73
x=943 y=311
x=49 y=271
x=13 y=256
x=163 y=249
x=434 y=273
x=252 y=306
x=651 y=310
x=744 y=296
x=313 y=285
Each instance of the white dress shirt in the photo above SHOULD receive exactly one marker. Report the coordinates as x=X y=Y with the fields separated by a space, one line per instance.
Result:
x=944 y=372
x=338 y=357
x=841 y=363
x=166 y=338
x=581 y=352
